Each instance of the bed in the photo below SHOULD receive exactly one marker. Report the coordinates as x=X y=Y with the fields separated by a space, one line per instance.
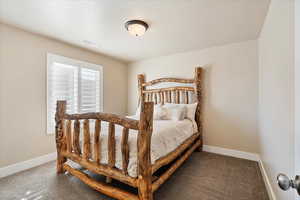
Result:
x=131 y=149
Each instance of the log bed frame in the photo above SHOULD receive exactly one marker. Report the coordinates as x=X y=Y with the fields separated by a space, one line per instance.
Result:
x=68 y=146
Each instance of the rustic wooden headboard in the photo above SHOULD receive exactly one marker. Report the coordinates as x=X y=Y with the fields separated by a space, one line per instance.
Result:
x=181 y=93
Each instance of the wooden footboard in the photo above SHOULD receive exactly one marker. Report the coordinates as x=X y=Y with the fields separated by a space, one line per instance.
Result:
x=69 y=126
x=68 y=146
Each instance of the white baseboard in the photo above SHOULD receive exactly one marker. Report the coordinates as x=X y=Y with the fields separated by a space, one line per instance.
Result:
x=267 y=181
x=231 y=152
x=21 y=166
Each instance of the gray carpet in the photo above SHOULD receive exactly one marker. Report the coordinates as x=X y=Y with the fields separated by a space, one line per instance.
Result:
x=204 y=176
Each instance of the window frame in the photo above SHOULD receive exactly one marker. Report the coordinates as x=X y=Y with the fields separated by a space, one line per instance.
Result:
x=51 y=58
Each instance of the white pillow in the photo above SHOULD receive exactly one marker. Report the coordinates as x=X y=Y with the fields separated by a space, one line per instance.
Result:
x=175 y=112
x=190 y=109
x=158 y=113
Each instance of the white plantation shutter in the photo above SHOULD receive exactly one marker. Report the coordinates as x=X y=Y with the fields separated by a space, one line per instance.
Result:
x=89 y=90
x=77 y=82
x=62 y=85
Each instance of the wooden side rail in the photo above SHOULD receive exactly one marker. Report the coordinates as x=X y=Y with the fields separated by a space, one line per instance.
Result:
x=174 y=154
x=175 y=166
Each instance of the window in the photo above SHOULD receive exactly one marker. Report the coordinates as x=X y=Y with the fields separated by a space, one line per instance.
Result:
x=77 y=82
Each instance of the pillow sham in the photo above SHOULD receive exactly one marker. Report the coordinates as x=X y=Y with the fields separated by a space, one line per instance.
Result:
x=159 y=112
x=171 y=111
x=174 y=112
x=189 y=112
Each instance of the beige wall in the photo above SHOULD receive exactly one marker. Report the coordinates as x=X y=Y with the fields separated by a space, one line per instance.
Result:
x=231 y=90
x=276 y=92
x=23 y=91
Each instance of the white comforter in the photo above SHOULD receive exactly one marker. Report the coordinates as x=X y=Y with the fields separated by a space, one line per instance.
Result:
x=167 y=135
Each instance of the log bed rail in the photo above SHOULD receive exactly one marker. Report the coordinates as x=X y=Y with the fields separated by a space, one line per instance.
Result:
x=88 y=155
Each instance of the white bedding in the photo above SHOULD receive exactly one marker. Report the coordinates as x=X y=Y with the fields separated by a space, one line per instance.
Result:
x=167 y=135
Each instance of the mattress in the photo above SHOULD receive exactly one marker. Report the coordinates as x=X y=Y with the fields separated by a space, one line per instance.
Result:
x=167 y=135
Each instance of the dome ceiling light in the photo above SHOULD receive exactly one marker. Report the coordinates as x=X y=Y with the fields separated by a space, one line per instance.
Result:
x=136 y=27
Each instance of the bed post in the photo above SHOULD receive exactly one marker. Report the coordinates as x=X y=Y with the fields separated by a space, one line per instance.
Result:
x=198 y=77
x=144 y=150
x=141 y=81
x=144 y=144
x=59 y=135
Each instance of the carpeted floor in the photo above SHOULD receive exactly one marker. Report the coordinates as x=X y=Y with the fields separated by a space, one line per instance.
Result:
x=204 y=176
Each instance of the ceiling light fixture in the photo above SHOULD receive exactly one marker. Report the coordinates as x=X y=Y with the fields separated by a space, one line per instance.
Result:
x=136 y=27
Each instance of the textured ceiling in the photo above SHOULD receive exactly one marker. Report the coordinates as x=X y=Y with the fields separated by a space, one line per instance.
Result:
x=175 y=25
